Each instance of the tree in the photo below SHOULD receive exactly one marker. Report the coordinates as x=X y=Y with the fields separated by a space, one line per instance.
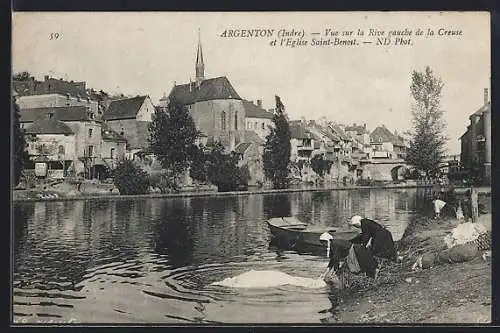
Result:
x=130 y=178
x=20 y=153
x=222 y=169
x=319 y=165
x=22 y=76
x=173 y=136
x=427 y=144
x=277 y=149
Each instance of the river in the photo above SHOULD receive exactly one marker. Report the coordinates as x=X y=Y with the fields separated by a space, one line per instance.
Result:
x=153 y=260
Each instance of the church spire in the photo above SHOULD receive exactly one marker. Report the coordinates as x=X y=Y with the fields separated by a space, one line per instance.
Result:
x=200 y=66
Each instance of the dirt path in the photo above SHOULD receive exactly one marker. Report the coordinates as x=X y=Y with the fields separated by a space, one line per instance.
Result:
x=452 y=293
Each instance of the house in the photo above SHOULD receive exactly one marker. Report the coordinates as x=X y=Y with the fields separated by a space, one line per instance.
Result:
x=475 y=153
x=130 y=118
x=383 y=143
x=32 y=94
x=113 y=146
x=250 y=153
x=87 y=131
x=257 y=119
x=51 y=148
x=362 y=136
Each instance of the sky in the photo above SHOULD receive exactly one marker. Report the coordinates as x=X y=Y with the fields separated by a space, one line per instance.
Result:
x=137 y=53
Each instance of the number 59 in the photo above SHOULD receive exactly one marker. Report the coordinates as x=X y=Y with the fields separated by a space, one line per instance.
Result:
x=54 y=35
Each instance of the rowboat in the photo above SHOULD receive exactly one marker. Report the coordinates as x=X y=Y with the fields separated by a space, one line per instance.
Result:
x=292 y=231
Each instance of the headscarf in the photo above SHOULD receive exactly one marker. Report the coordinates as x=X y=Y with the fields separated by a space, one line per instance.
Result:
x=326 y=237
x=356 y=221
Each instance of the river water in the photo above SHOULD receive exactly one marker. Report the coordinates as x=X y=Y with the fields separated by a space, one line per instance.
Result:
x=153 y=260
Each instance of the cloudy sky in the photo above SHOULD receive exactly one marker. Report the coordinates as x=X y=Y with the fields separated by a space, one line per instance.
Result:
x=145 y=53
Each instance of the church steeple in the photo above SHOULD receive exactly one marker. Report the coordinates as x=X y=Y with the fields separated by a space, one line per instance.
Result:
x=200 y=66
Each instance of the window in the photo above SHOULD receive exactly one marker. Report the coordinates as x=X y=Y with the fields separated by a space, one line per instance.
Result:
x=223 y=120
x=61 y=150
x=90 y=132
x=263 y=126
x=122 y=132
x=91 y=150
x=112 y=153
x=236 y=121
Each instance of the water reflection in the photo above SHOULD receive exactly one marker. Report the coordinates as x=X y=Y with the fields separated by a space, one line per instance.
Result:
x=154 y=250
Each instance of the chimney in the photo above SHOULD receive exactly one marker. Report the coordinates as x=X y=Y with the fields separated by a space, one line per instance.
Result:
x=485 y=96
x=259 y=103
x=46 y=77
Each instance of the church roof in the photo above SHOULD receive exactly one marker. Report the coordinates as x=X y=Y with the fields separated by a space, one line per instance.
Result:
x=209 y=89
x=255 y=111
x=49 y=126
x=126 y=108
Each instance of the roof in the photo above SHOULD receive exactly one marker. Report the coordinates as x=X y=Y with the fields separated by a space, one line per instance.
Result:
x=340 y=132
x=110 y=135
x=49 y=126
x=209 y=89
x=359 y=129
x=242 y=147
x=398 y=140
x=65 y=113
x=125 y=108
x=298 y=131
x=251 y=136
x=483 y=109
x=49 y=86
x=255 y=111
x=381 y=134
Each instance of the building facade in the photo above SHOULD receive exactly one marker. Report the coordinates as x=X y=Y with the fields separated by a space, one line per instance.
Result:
x=258 y=119
x=475 y=153
x=130 y=118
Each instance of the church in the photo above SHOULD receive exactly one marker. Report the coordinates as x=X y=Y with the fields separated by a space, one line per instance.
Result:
x=218 y=112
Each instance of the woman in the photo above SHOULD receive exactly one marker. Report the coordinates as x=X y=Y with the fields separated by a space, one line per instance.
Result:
x=375 y=236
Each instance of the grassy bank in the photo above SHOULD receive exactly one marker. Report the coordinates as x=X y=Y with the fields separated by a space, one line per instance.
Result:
x=450 y=293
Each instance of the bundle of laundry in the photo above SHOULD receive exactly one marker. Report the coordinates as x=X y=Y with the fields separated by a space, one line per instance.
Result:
x=464 y=233
x=469 y=247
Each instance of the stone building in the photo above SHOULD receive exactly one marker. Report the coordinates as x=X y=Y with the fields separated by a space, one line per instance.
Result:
x=386 y=144
x=219 y=113
x=475 y=153
x=257 y=119
x=51 y=145
x=52 y=92
x=86 y=130
x=130 y=118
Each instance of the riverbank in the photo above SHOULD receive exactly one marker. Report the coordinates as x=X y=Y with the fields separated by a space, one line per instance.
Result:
x=38 y=195
x=451 y=293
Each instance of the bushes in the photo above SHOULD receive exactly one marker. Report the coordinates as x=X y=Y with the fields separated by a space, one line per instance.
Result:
x=131 y=179
x=164 y=182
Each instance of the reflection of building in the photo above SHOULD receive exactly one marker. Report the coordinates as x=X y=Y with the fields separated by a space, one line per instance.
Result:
x=476 y=143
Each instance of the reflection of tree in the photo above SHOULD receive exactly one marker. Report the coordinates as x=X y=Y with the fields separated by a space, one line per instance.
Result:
x=173 y=234
x=277 y=205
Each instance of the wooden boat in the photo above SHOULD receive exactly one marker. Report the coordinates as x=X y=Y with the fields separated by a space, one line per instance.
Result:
x=292 y=231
